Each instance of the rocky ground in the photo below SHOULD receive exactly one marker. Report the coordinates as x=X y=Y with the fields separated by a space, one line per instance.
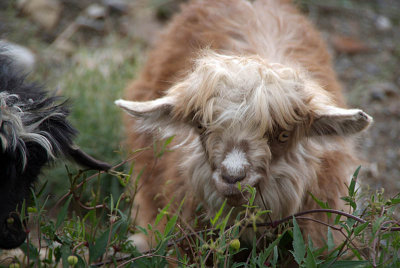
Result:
x=365 y=43
x=363 y=36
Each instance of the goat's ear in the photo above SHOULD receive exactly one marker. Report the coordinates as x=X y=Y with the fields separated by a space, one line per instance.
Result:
x=148 y=109
x=154 y=115
x=83 y=159
x=338 y=121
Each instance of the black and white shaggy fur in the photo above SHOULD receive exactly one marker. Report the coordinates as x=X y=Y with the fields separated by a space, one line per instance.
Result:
x=34 y=130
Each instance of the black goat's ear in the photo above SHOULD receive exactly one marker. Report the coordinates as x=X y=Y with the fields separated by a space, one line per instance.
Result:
x=83 y=159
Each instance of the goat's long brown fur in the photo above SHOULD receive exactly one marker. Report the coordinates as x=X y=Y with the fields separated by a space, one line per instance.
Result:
x=276 y=32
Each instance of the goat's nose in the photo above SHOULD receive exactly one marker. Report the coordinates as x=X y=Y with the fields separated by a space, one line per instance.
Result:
x=12 y=233
x=233 y=178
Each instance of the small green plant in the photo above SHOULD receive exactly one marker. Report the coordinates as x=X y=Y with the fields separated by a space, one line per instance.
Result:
x=89 y=231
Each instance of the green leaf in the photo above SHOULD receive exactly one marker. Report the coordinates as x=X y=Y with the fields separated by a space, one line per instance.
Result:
x=63 y=212
x=224 y=223
x=393 y=201
x=239 y=186
x=273 y=244
x=357 y=254
x=33 y=252
x=168 y=141
x=159 y=237
x=353 y=182
x=298 y=243
x=360 y=228
x=81 y=262
x=40 y=192
x=377 y=224
x=337 y=219
x=100 y=246
x=65 y=252
x=274 y=260
x=352 y=187
x=310 y=243
x=350 y=200
x=131 y=168
x=310 y=259
x=355 y=175
x=143 y=230
x=169 y=227
x=237 y=264
x=319 y=202
x=267 y=252
x=139 y=175
x=111 y=203
x=330 y=243
x=346 y=198
x=252 y=192
x=254 y=248
x=321 y=251
x=164 y=146
x=161 y=214
x=215 y=219
x=346 y=264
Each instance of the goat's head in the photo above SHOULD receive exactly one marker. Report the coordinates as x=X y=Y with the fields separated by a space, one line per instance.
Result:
x=248 y=115
x=33 y=131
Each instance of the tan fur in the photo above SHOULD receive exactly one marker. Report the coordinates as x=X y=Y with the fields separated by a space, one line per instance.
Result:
x=245 y=71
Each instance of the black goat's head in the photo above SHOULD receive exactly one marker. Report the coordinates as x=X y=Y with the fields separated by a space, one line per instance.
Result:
x=34 y=130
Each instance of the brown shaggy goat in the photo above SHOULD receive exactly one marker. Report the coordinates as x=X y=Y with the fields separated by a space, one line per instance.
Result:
x=248 y=89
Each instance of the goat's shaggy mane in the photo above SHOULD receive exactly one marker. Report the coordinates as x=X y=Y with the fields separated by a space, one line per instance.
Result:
x=34 y=130
x=249 y=91
x=28 y=115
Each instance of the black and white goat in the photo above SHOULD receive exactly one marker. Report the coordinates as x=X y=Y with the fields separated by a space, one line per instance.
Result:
x=34 y=130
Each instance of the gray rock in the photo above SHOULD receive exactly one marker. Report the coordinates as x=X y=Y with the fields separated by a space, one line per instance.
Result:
x=382 y=23
x=46 y=13
x=96 y=11
x=381 y=90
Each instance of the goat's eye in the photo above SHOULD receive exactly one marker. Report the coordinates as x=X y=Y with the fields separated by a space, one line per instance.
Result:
x=200 y=128
x=284 y=136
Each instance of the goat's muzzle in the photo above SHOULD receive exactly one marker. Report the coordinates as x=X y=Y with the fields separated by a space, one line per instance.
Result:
x=233 y=179
x=12 y=233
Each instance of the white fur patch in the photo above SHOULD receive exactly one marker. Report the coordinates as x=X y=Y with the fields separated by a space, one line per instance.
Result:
x=235 y=162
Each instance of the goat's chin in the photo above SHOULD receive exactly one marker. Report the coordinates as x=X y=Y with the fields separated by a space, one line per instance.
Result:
x=12 y=234
x=236 y=200
x=233 y=196
x=231 y=192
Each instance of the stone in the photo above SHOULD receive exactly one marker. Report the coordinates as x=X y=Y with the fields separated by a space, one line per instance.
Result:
x=349 y=45
x=382 y=23
x=46 y=13
x=96 y=11
x=382 y=90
